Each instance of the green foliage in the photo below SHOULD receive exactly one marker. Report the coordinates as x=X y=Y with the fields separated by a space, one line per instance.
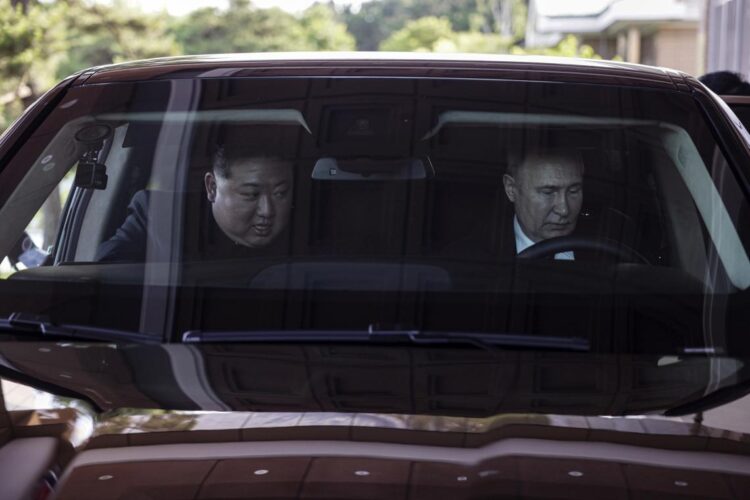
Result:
x=569 y=46
x=424 y=34
x=378 y=20
x=137 y=420
x=50 y=39
x=435 y=34
x=480 y=43
x=105 y=33
x=244 y=28
x=54 y=39
x=241 y=28
x=323 y=31
x=19 y=38
x=21 y=44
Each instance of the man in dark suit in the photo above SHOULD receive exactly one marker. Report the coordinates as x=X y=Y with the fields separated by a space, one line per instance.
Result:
x=250 y=203
x=546 y=190
x=545 y=194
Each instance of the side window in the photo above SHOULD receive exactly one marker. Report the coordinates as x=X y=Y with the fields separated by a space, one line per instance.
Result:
x=68 y=194
x=40 y=235
x=93 y=216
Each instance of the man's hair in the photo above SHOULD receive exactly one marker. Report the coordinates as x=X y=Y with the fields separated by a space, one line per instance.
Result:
x=219 y=163
x=725 y=83
x=224 y=158
x=268 y=142
x=565 y=156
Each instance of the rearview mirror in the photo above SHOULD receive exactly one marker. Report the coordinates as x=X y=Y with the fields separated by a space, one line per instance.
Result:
x=370 y=169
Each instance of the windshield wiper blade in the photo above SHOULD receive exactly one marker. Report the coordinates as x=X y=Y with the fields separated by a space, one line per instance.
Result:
x=717 y=398
x=479 y=339
x=44 y=327
x=505 y=340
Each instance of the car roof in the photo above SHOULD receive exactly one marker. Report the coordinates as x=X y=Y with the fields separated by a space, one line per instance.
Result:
x=386 y=64
x=736 y=99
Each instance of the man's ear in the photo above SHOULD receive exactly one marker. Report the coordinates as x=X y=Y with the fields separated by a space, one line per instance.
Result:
x=509 y=183
x=210 y=181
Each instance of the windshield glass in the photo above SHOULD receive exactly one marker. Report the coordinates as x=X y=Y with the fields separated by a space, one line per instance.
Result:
x=336 y=204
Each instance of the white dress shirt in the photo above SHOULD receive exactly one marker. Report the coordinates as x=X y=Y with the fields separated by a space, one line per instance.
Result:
x=523 y=242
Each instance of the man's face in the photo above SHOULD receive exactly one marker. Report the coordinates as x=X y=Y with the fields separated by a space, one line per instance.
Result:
x=252 y=206
x=547 y=194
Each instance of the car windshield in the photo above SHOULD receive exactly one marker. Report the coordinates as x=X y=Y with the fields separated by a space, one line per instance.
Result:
x=605 y=214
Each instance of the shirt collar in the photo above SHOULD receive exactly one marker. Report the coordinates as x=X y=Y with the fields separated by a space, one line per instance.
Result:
x=523 y=242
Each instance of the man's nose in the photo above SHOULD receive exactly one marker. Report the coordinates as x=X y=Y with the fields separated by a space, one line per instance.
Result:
x=265 y=207
x=562 y=205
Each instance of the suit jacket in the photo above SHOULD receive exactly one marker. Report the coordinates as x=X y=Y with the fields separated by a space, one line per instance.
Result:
x=499 y=244
x=129 y=241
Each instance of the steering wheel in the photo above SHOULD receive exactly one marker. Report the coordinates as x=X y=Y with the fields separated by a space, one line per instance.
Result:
x=547 y=248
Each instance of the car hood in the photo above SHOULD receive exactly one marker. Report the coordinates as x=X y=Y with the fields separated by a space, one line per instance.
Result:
x=424 y=380
x=352 y=421
x=339 y=455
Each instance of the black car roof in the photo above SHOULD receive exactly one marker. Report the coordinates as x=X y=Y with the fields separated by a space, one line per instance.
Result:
x=359 y=64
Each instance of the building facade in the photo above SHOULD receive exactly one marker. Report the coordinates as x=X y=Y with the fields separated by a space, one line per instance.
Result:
x=661 y=33
x=728 y=36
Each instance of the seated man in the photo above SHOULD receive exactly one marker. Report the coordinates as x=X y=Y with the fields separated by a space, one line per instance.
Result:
x=250 y=201
x=546 y=190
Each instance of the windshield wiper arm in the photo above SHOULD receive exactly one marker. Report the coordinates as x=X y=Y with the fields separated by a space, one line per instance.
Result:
x=479 y=339
x=482 y=339
x=43 y=326
x=719 y=397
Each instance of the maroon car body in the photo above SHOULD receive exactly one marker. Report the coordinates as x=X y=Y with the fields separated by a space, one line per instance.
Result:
x=391 y=350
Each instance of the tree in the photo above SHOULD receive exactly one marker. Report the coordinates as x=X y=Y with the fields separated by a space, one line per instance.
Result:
x=433 y=34
x=425 y=35
x=481 y=43
x=569 y=46
x=508 y=17
x=104 y=33
x=21 y=30
x=41 y=43
x=244 y=28
x=323 y=31
x=378 y=20
x=240 y=28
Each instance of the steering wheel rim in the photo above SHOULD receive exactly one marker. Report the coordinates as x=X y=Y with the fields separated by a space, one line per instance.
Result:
x=546 y=248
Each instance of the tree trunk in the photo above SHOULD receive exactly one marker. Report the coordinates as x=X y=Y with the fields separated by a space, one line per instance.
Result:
x=23 y=3
x=502 y=14
x=506 y=18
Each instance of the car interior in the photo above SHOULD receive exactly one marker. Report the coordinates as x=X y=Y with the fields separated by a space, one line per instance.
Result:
x=398 y=198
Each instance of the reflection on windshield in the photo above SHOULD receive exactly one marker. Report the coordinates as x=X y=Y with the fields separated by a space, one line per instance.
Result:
x=42 y=408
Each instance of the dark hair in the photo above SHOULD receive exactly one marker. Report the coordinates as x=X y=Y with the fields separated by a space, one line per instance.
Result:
x=725 y=83
x=222 y=160
x=219 y=163
x=268 y=142
x=561 y=155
